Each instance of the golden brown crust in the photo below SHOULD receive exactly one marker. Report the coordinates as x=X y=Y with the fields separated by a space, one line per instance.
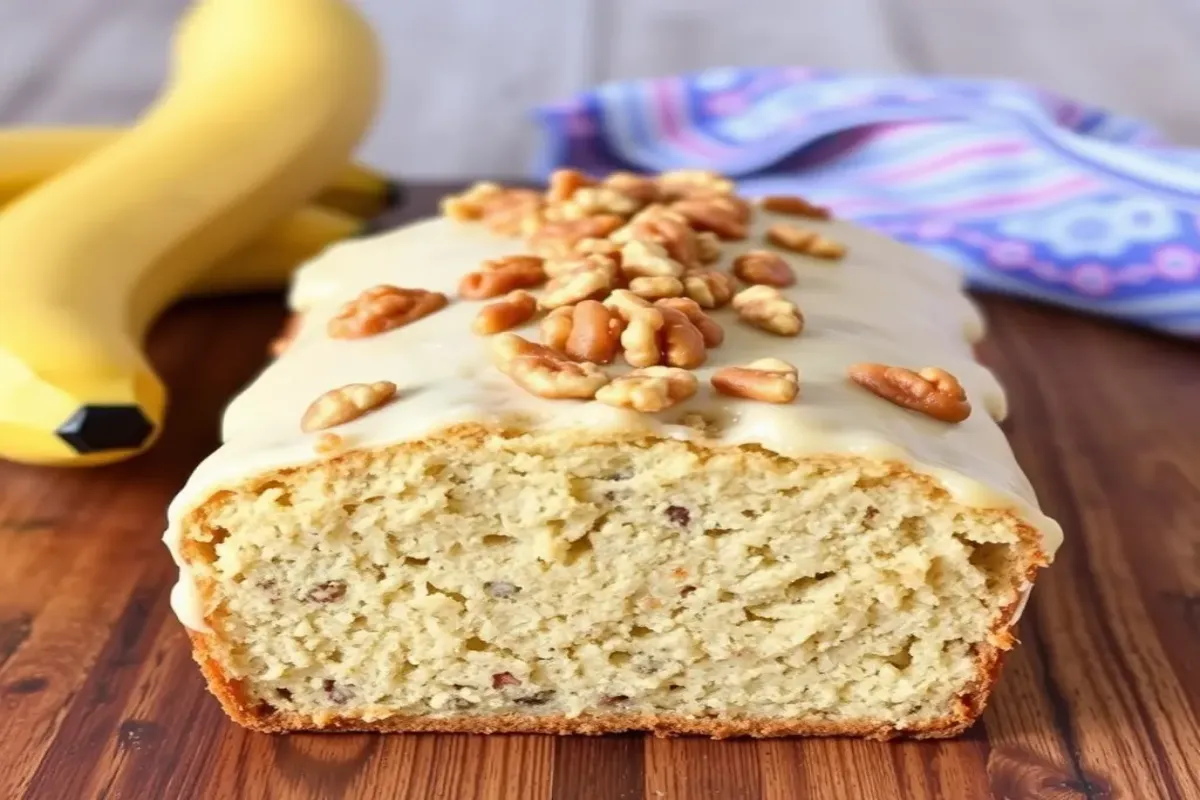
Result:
x=261 y=716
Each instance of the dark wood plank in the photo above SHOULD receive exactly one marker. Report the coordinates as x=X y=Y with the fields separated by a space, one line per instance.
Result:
x=99 y=698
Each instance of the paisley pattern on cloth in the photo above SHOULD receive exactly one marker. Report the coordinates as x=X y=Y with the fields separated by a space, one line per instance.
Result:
x=1030 y=193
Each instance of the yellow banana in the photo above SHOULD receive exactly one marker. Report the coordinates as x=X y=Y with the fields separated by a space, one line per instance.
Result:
x=29 y=156
x=267 y=263
x=266 y=102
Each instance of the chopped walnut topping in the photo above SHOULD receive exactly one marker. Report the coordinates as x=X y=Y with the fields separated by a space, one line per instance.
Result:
x=684 y=182
x=656 y=287
x=499 y=276
x=469 y=205
x=514 y=212
x=598 y=247
x=545 y=372
x=558 y=239
x=291 y=329
x=764 y=307
x=594 y=276
x=712 y=332
x=640 y=339
x=626 y=303
x=588 y=331
x=796 y=206
x=767 y=379
x=638 y=187
x=644 y=259
x=382 y=308
x=650 y=389
x=709 y=288
x=569 y=265
x=593 y=200
x=661 y=225
x=719 y=215
x=565 y=182
x=708 y=247
x=328 y=443
x=931 y=391
x=517 y=308
x=683 y=345
x=800 y=240
x=556 y=327
x=765 y=267
x=345 y=403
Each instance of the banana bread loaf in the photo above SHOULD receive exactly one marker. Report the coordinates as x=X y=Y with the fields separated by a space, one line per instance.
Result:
x=628 y=454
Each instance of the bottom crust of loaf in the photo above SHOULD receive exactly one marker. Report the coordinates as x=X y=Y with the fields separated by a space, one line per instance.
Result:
x=262 y=717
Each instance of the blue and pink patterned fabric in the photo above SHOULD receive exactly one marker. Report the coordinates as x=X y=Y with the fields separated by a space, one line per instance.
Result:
x=1031 y=194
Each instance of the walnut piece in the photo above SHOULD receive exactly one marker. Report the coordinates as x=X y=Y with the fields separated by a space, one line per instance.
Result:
x=640 y=339
x=656 y=287
x=469 y=205
x=498 y=276
x=663 y=226
x=794 y=205
x=767 y=379
x=713 y=333
x=931 y=390
x=558 y=267
x=638 y=187
x=649 y=389
x=645 y=259
x=683 y=344
x=545 y=372
x=565 y=182
x=592 y=276
x=514 y=212
x=345 y=403
x=709 y=288
x=808 y=242
x=382 y=308
x=587 y=331
x=765 y=267
x=764 y=307
x=517 y=308
x=600 y=247
x=592 y=200
x=558 y=239
x=708 y=247
x=685 y=182
x=719 y=215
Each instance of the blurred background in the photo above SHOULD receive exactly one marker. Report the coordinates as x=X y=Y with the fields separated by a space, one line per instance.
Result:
x=463 y=75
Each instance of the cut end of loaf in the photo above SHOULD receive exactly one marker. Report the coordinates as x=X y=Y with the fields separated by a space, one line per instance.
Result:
x=490 y=582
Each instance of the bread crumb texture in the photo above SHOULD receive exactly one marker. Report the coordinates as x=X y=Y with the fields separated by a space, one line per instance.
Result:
x=497 y=581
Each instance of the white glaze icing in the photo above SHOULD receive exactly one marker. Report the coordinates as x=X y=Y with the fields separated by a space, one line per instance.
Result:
x=884 y=302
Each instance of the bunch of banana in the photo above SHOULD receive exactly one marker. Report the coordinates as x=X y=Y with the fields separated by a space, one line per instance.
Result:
x=207 y=192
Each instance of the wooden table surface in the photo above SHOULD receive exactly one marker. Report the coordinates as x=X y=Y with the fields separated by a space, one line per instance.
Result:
x=99 y=696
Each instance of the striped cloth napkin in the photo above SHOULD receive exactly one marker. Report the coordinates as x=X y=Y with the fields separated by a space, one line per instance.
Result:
x=1030 y=193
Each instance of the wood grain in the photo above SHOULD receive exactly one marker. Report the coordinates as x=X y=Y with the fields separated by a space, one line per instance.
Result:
x=99 y=698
